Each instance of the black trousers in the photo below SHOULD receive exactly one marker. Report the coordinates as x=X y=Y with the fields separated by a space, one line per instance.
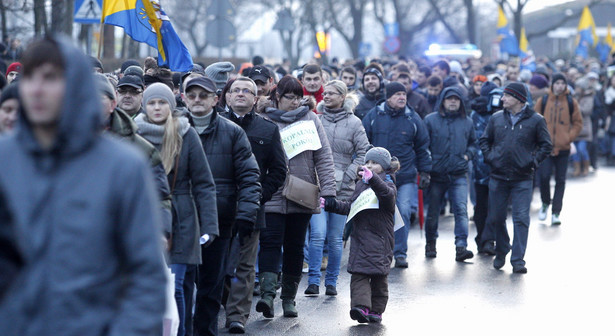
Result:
x=283 y=231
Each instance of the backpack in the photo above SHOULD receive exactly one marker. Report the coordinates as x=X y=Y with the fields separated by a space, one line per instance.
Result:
x=543 y=103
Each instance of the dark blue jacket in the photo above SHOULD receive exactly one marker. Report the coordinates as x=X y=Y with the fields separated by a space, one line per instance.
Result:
x=451 y=138
x=404 y=135
x=514 y=152
x=480 y=117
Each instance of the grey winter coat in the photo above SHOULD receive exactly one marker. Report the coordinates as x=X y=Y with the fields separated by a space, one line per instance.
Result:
x=348 y=143
x=312 y=166
x=193 y=198
x=86 y=215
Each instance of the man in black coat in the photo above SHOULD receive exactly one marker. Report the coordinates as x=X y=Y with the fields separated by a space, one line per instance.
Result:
x=515 y=141
x=236 y=174
x=266 y=143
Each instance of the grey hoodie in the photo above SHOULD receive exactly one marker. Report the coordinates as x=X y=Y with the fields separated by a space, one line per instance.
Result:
x=85 y=213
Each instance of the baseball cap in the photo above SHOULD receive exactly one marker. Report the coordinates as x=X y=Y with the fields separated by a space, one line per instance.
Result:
x=131 y=80
x=205 y=83
x=260 y=73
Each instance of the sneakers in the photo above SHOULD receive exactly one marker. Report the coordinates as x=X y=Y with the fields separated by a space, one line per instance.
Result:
x=306 y=268
x=463 y=253
x=312 y=290
x=555 y=219
x=400 y=262
x=323 y=263
x=236 y=327
x=331 y=290
x=359 y=314
x=542 y=213
x=374 y=317
x=430 y=249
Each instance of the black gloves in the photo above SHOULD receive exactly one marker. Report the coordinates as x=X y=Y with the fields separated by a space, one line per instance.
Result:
x=424 y=180
x=244 y=228
x=330 y=203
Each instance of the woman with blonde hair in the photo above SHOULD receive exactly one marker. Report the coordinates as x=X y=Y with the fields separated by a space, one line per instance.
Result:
x=349 y=144
x=195 y=219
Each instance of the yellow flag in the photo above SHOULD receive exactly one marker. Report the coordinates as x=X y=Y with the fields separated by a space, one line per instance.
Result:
x=587 y=28
x=523 y=43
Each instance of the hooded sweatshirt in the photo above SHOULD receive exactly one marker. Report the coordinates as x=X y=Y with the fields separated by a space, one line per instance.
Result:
x=85 y=213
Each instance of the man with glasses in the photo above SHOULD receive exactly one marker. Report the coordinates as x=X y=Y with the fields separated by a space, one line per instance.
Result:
x=130 y=95
x=236 y=174
x=266 y=143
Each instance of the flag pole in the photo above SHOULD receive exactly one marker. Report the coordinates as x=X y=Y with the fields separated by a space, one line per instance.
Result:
x=101 y=38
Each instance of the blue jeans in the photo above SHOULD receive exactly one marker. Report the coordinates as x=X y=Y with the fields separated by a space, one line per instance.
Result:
x=520 y=193
x=330 y=226
x=407 y=202
x=457 y=187
x=582 y=153
x=180 y=272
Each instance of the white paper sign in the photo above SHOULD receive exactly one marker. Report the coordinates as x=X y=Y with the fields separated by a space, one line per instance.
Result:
x=299 y=137
x=399 y=221
x=366 y=200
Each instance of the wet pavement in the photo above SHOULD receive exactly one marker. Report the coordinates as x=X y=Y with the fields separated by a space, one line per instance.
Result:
x=569 y=287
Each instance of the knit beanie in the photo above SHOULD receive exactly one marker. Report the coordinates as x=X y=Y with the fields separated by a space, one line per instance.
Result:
x=104 y=85
x=557 y=77
x=379 y=155
x=517 y=90
x=128 y=63
x=487 y=88
x=134 y=70
x=159 y=90
x=14 y=67
x=9 y=92
x=219 y=72
x=539 y=81
x=392 y=88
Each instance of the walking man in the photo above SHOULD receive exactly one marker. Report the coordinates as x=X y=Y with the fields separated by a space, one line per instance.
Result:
x=514 y=143
x=452 y=145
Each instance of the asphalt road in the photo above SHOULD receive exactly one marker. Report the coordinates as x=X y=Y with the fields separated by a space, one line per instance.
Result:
x=569 y=287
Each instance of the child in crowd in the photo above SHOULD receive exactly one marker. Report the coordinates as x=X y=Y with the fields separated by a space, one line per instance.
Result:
x=371 y=250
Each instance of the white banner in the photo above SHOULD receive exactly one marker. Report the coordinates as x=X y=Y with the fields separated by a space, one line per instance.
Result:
x=299 y=137
x=366 y=200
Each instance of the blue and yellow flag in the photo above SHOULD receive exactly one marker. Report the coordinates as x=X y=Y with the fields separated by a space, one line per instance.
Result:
x=528 y=61
x=586 y=33
x=506 y=37
x=145 y=21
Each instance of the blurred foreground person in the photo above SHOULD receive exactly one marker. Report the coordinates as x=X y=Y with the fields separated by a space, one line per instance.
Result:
x=84 y=209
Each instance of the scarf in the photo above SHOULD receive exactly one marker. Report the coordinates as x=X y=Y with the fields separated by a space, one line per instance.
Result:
x=154 y=133
x=287 y=117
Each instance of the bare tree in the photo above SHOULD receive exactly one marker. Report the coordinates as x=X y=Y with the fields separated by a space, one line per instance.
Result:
x=404 y=13
x=62 y=16
x=40 y=18
x=193 y=14
x=446 y=11
x=346 y=17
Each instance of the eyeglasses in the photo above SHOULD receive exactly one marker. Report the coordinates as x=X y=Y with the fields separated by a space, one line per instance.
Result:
x=327 y=93
x=244 y=91
x=297 y=98
x=201 y=95
x=132 y=92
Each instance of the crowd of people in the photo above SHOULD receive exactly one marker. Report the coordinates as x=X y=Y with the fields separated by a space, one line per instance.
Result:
x=240 y=181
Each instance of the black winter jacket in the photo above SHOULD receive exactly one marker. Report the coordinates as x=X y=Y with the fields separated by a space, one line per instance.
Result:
x=451 y=138
x=514 y=152
x=267 y=148
x=235 y=172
